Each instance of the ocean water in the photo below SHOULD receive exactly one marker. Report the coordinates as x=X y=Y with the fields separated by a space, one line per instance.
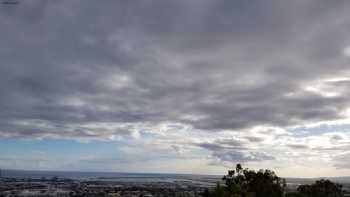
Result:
x=114 y=176
x=73 y=174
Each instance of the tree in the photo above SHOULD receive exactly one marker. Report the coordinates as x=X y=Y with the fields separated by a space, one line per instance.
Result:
x=249 y=183
x=321 y=188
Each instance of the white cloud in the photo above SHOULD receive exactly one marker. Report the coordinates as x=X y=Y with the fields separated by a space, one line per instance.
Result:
x=346 y=52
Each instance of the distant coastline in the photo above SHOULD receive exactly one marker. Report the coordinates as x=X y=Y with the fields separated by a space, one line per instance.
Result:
x=15 y=173
x=89 y=174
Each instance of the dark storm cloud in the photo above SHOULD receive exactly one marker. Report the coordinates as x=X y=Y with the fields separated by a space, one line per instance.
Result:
x=298 y=146
x=255 y=139
x=223 y=144
x=233 y=151
x=214 y=65
x=241 y=157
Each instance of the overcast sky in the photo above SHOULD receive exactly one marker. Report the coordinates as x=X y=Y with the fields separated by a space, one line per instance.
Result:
x=185 y=86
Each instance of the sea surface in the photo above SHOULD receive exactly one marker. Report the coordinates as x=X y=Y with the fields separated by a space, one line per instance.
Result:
x=142 y=177
x=114 y=176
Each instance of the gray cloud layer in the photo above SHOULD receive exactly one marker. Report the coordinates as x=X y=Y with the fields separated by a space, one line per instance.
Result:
x=69 y=66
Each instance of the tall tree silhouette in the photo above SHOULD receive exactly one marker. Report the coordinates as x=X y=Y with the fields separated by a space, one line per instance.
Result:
x=249 y=183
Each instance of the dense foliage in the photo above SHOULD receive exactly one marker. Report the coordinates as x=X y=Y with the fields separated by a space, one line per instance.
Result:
x=249 y=183
x=321 y=188
x=265 y=183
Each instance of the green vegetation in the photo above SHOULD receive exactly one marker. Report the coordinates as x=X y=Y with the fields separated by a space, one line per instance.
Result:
x=321 y=188
x=265 y=183
x=249 y=183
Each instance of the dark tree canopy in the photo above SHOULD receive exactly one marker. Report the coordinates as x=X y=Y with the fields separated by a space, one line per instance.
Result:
x=321 y=188
x=265 y=183
x=249 y=183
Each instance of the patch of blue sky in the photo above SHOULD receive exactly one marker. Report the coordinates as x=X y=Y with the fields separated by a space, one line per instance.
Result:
x=321 y=129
